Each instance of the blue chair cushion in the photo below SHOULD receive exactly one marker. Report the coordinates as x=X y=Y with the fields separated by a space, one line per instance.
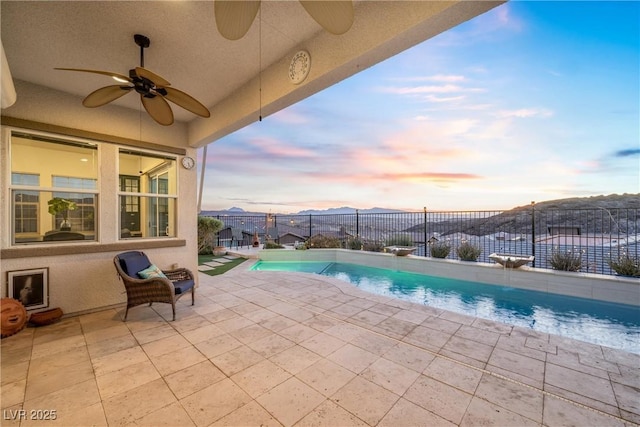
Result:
x=183 y=286
x=132 y=262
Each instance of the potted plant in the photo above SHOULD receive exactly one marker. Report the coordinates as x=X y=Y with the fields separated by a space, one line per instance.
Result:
x=468 y=252
x=58 y=205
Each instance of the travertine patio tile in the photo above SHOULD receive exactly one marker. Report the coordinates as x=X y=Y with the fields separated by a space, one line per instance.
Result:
x=386 y=309
x=277 y=323
x=92 y=415
x=295 y=359
x=298 y=333
x=165 y=345
x=271 y=345
x=320 y=322
x=52 y=381
x=55 y=362
x=345 y=331
x=323 y=344
x=325 y=376
x=516 y=344
x=114 y=345
x=234 y=324
x=395 y=327
x=581 y=347
x=68 y=399
x=186 y=319
x=203 y=333
x=220 y=315
x=621 y=357
x=114 y=331
x=439 y=398
x=126 y=407
x=452 y=317
x=427 y=338
x=409 y=356
x=353 y=358
x=65 y=328
x=469 y=348
x=363 y=303
x=405 y=413
x=628 y=376
x=518 y=364
x=390 y=375
x=367 y=318
x=477 y=334
x=483 y=413
x=245 y=309
x=57 y=346
x=260 y=378
x=127 y=378
x=368 y=401
x=328 y=414
x=180 y=359
x=299 y=314
x=454 y=374
x=558 y=412
x=14 y=372
x=169 y=416
x=412 y=316
x=193 y=378
x=12 y=354
x=345 y=310
x=260 y=315
x=598 y=363
x=628 y=399
x=580 y=383
x=236 y=360
x=251 y=414
x=374 y=343
x=214 y=402
x=12 y=393
x=250 y=333
x=290 y=401
x=517 y=398
x=542 y=345
x=218 y=345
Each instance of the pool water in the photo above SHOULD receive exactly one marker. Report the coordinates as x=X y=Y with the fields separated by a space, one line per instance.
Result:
x=598 y=322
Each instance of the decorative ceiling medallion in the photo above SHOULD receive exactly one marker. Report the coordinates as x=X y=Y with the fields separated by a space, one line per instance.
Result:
x=299 y=67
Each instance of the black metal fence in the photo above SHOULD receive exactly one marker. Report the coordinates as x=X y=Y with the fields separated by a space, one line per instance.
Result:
x=595 y=235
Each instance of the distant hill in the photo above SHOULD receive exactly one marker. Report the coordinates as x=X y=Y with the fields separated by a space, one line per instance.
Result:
x=598 y=214
x=347 y=210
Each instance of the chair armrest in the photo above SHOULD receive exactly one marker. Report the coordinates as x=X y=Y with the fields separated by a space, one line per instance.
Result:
x=178 y=274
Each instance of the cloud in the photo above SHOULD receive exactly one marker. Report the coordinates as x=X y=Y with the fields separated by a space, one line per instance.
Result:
x=630 y=152
x=524 y=113
x=448 y=78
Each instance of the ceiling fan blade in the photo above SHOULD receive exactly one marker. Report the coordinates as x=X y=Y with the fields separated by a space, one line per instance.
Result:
x=120 y=77
x=156 y=79
x=186 y=101
x=334 y=16
x=158 y=109
x=234 y=18
x=105 y=95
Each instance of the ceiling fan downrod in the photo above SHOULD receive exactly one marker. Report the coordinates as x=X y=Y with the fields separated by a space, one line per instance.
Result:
x=142 y=41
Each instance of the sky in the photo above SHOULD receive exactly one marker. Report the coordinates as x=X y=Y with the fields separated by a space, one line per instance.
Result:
x=531 y=101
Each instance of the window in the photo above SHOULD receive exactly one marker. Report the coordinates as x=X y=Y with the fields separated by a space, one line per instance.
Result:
x=54 y=186
x=148 y=194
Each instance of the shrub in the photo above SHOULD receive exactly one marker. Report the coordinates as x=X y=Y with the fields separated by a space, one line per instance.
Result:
x=468 y=252
x=399 y=240
x=373 y=247
x=354 y=244
x=439 y=249
x=270 y=244
x=626 y=265
x=208 y=227
x=320 y=241
x=566 y=261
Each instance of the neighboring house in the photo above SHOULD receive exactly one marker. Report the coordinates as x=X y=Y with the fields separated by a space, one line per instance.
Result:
x=290 y=238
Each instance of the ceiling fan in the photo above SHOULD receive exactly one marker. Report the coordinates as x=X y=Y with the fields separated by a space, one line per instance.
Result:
x=154 y=90
x=234 y=18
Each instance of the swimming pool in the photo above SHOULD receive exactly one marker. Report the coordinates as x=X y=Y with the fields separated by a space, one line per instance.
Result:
x=609 y=324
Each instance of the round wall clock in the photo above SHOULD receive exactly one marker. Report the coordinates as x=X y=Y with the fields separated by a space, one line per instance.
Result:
x=299 y=67
x=188 y=162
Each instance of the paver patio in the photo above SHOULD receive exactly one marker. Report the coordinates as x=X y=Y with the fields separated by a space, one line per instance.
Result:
x=273 y=348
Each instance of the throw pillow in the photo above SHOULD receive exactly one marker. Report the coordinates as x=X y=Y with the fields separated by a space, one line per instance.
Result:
x=151 y=272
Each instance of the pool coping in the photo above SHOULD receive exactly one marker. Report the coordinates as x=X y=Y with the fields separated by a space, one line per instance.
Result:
x=615 y=289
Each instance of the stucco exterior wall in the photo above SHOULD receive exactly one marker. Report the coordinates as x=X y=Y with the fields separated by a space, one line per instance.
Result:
x=84 y=279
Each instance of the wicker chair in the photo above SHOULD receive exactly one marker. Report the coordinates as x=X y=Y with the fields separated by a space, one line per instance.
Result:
x=163 y=286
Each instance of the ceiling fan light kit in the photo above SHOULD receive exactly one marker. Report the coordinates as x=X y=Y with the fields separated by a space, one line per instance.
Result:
x=154 y=90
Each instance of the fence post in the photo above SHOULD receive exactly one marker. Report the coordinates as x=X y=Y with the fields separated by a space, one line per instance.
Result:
x=357 y=222
x=533 y=232
x=309 y=225
x=425 y=231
